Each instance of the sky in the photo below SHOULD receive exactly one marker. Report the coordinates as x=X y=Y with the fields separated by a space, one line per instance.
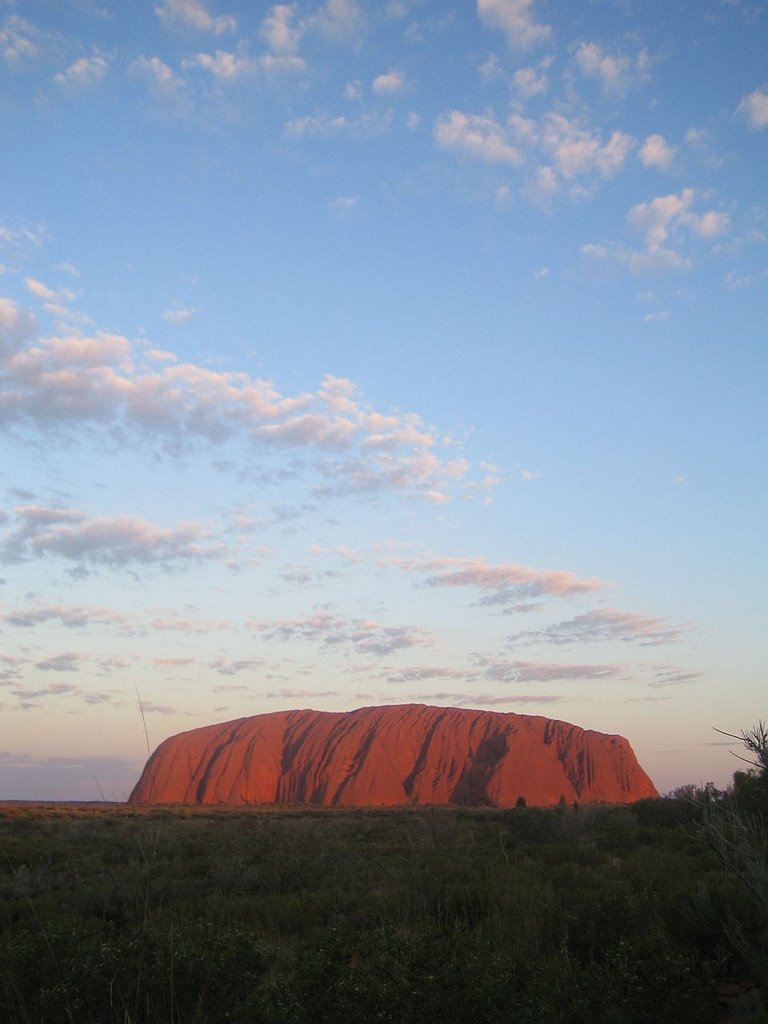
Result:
x=361 y=352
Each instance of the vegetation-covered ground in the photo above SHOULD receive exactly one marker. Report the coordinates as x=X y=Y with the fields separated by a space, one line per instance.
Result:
x=595 y=914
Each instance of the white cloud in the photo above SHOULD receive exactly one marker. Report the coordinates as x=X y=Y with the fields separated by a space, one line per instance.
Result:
x=656 y=152
x=615 y=71
x=755 y=108
x=322 y=124
x=84 y=72
x=665 y=216
x=664 y=223
x=168 y=89
x=708 y=225
x=19 y=41
x=391 y=82
x=179 y=313
x=193 y=15
x=282 y=36
x=577 y=150
x=279 y=31
x=224 y=65
x=480 y=136
x=657 y=217
x=516 y=19
x=344 y=205
x=570 y=150
x=531 y=81
x=339 y=20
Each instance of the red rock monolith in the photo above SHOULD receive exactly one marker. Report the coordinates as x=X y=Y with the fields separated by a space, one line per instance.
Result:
x=390 y=756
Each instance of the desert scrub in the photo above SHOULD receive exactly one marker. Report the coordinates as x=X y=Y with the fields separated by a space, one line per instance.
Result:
x=314 y=916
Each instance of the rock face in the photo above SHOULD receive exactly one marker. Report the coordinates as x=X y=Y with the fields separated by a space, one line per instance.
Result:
x=388 y=756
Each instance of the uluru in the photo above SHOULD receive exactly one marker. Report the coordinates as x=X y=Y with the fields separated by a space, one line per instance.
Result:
x=390 y=756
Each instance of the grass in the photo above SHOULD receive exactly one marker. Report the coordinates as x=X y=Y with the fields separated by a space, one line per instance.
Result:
x=110 y=913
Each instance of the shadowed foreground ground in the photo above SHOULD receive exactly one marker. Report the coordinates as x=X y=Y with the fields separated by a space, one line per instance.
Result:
x=111 y=913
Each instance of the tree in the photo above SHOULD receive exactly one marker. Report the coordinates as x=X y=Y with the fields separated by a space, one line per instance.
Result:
x=737 y=833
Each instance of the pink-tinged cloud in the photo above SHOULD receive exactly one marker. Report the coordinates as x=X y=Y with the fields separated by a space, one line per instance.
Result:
x=120 y=541
x=66 y=383
x=360 y=636
x=754 y=108
x=557 y=150
x=479 y=136
x=606 y=625
x=516 y=19
x=71 y=616
x=503 y=583
x=186 y=624
x=193 y=16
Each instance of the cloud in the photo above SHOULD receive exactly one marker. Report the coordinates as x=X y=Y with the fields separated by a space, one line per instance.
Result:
x=299 y=693
x=20 y=41
x=168 y=89
x=193 y=15
x=16 y=326
x=531 y=81
x=227 y=667
x=503 y=583
x=361 y=636
x=18 y=243
x=616 y=72
x=577 y=150
x=606 y=625
x=64 y=383
x=754 y=108
x=279 y=31
x=84 y=72
x=664 y=222
x=342 y=206
x=57 y=302
x=71 y=616
x=67 y=662
x=178 y=313
x=662 y=217
x=391 y=82
x=322 y=124
x=121 y=541
x=225 y=66
x=481 y=700
x=656 y=152
x=515 y=18
x=541 y=672
x=420 y=673
x=669 y=675
x=339 y=20
x=481 y=136
x=570 y=149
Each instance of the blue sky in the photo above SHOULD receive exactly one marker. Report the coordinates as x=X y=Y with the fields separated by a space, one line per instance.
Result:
x=355 y=353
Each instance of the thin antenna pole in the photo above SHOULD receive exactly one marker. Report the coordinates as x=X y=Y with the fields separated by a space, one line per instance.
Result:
x=143 y=721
